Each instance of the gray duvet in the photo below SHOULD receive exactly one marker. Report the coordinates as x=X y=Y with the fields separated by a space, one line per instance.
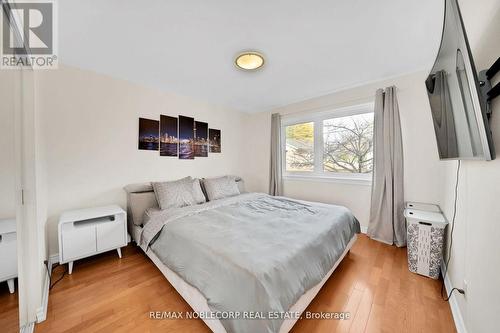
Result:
x=252 y=253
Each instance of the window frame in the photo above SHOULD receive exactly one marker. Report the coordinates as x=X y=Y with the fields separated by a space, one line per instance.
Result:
x=317 y=118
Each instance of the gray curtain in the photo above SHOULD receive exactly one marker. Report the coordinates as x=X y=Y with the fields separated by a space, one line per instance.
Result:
x=387 y=222
x=276 y=179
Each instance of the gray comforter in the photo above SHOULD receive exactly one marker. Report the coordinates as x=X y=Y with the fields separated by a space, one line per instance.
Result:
x=252 y=254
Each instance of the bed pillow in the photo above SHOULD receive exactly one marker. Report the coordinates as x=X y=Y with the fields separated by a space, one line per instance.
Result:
x=173 y=194
x=199 y=197
x=221 y=187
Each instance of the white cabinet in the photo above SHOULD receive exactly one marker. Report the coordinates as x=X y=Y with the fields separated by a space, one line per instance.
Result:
x=78 y=240
x=86 y=232
x=108 y=235
x=8 y=252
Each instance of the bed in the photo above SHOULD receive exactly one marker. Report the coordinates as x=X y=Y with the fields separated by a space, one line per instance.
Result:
x=247 y=256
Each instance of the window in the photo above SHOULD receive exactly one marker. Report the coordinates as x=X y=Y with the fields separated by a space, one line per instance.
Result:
x=300 y=147
x=335 y=144
x=348 y=144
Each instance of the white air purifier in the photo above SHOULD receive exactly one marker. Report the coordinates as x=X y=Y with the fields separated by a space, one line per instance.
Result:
x=425 y=233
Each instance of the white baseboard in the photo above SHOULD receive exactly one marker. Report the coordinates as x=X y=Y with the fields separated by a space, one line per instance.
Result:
x=364 y=229
x=41 y=313
x=455 y=309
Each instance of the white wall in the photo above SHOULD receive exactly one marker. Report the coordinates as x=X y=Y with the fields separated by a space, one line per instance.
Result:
x=90 y=126
x=423 y=170
x=476 y=246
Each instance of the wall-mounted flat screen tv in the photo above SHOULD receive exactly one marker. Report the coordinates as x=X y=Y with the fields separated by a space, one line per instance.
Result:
x=458 y=108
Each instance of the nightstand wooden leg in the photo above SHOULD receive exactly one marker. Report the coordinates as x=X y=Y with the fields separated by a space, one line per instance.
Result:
x=12 y=288
x=119 y=250
x=70 y=267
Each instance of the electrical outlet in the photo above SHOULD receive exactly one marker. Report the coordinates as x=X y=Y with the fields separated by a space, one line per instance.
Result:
x=465 y=287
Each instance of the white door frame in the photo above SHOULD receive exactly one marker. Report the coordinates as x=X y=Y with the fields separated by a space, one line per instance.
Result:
x=30 y=215
x=30 y=264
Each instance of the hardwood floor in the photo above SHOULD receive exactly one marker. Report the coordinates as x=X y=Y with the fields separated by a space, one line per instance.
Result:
x=106 y=294
x=9 y=311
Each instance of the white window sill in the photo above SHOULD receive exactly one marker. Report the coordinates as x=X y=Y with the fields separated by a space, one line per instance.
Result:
x=329 y=179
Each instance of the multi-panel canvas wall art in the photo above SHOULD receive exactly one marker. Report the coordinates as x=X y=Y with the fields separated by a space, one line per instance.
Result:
x=200 y=139
x=182 y=136
x=186 y=138
x=148 y=134
x=214 y=139
x=169 y=139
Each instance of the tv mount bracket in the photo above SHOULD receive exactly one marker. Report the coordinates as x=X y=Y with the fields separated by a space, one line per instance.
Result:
x=487 y=92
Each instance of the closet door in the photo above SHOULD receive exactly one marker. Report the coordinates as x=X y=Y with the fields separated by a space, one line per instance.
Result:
x=10 y=100
x=28 y=187
x=30 y=196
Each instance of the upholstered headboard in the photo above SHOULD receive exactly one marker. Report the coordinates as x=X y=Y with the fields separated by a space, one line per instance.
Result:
x=141 y=197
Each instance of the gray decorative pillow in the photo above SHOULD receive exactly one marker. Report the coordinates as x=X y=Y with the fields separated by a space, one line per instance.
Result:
x=178 y=193
x=221 y=187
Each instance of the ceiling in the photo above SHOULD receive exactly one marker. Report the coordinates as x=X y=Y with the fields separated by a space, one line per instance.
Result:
x=312 y=48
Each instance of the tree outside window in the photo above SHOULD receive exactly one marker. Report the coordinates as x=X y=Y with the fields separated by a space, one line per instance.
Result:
x=348 y=144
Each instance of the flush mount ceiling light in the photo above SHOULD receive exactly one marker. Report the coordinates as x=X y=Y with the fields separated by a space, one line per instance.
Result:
x=249 y=60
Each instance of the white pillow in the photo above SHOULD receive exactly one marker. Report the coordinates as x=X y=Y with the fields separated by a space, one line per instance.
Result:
x=221 y=187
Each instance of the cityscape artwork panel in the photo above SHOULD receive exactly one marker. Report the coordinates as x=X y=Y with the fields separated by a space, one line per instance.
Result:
x=178 y=136
x=186 y=138
x=149 y=132
x=200 y=139
x=214 y=139
x=169 y=138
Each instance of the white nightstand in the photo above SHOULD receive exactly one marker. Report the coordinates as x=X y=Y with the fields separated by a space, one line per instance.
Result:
x=8 y=252
x=86 y=232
